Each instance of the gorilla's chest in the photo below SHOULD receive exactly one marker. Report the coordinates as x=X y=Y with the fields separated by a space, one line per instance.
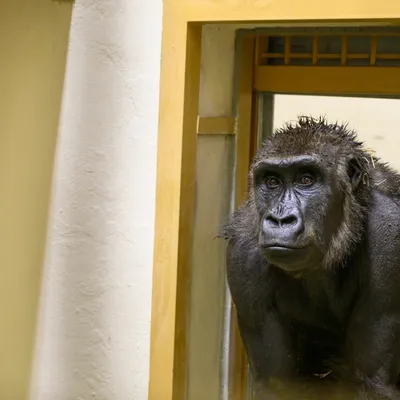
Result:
x=318 y=306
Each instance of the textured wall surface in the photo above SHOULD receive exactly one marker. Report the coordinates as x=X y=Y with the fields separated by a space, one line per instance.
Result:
x=94 y=324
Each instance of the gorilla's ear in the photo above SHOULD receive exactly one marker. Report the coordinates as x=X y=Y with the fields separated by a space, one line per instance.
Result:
x=355 y=172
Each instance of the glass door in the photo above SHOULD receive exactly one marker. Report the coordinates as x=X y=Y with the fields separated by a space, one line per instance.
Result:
x=376 y=121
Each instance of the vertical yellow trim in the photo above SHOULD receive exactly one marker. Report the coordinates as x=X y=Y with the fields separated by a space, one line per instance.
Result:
x=176 y=165
x=344 y=50
x=374 y=46
x=315 y=50
x=238 y=360
x=244 y=119
x=287 y=49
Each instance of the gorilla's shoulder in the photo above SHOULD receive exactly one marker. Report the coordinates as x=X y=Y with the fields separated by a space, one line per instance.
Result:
x=384 y=218
x=385 y=180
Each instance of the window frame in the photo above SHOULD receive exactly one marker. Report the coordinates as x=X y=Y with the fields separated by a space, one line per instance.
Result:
x=176 y=161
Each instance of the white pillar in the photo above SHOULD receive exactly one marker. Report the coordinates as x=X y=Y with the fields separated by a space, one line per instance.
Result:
x=94 y=317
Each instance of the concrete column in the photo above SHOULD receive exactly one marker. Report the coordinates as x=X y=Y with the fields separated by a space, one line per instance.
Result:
x=94 y=320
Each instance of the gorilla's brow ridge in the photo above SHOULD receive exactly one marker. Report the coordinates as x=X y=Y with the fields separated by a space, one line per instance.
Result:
x=277 y=162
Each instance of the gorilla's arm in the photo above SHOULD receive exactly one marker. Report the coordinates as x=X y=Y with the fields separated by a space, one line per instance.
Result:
x=268 y=345
x=373 y=344
x=269 y=348
x=373 y=336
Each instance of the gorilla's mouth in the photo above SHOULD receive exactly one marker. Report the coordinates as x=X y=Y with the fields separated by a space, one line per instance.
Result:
x=288 y=257
x=282 y=247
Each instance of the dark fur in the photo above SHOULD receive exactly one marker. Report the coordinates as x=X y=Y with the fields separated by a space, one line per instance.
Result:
x=345 y=267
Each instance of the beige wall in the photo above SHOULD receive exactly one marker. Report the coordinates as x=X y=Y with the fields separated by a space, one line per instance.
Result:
x=376 y=121
x=33 y=44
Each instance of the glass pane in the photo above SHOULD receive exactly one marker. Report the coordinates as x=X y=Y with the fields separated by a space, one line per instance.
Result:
x=330 y=44
x=388 y=45
x=358 y=45
x=301 y=44
x=373 y=119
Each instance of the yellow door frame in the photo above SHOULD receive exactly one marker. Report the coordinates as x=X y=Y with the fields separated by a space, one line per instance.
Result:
x=244 y=149
x=179 y=92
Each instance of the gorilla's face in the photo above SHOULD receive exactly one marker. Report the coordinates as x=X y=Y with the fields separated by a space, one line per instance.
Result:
x=300 y=202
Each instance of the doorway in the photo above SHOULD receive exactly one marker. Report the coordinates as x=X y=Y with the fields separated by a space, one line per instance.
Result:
x=347 y=75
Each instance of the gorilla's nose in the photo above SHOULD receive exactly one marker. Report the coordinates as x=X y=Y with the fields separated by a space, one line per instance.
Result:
x=281 y=222
x=283 y=226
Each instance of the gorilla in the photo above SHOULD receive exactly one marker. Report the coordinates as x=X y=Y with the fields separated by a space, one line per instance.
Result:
x=313 y=266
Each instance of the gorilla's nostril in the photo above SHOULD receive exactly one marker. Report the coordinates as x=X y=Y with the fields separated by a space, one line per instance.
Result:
x=281 y=221
x=273 y=221
x=289 y=220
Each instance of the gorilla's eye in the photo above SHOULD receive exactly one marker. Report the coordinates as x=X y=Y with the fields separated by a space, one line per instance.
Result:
x=306 y=180
x=272 y=182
